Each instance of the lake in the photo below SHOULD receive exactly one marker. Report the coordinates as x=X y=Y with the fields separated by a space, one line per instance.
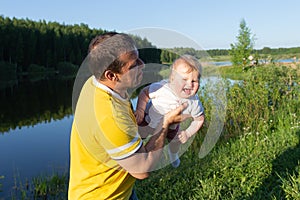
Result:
x=32 y=151
x=35 y=122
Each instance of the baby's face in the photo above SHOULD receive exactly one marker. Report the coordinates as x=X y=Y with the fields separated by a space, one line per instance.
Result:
x=184 y=82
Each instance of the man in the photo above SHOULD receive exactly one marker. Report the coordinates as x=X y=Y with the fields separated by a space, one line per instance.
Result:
x=107 y=154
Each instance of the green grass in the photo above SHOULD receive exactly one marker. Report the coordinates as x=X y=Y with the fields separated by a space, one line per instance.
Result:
x=249 y=167
x=221 y=58
x=42 y=187
x=262 y=56
x=1 y=177
x=291 y=185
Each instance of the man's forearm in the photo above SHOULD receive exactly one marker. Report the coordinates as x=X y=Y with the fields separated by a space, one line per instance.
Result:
x=157 y=140
x=147 y=157
x=143 y=100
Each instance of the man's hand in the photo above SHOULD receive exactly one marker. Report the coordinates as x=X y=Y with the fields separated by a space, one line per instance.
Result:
x=139 y=115
x=175 y=116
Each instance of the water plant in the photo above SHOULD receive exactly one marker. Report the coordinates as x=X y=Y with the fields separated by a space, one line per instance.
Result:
x=1 y=177
x=43 y=187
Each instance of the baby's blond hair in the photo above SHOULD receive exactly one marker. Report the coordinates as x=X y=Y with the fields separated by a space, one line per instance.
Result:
x=190 y=61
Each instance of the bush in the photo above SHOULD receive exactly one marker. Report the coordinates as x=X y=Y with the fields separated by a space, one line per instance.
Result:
x=259 y=101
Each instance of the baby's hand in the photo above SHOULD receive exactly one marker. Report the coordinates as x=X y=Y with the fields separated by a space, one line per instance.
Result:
x=182 y=137
x=139 y=116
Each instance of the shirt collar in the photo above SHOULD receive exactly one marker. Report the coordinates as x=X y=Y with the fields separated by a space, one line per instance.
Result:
x=107 y=89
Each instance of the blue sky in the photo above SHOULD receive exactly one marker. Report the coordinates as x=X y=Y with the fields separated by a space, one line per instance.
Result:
x=210 y=24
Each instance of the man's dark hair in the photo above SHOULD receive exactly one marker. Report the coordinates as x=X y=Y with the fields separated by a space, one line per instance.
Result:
x=99 y=39
x=105 y=50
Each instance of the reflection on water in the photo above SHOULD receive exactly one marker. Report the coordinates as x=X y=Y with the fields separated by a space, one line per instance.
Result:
x=30 y=103
x=35 y=122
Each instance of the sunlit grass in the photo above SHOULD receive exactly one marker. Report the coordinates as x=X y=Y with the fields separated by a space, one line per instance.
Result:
x=258 y=149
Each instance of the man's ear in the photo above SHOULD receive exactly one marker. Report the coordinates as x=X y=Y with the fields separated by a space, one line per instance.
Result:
x=110 y=75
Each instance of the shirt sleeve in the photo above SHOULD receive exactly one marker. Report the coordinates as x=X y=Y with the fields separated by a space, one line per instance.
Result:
x=197 y=107
x=119 y=140
x=153 y=88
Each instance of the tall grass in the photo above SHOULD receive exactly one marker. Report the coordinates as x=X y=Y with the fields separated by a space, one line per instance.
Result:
x=53 y=186
x=1 y=177
x=258 y=155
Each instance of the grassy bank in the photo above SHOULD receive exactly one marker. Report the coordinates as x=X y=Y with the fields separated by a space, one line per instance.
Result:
x=254 y=166
x=261 y=56
x=258 y=154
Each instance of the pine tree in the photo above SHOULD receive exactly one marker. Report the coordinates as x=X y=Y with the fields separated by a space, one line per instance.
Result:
x=241 y=50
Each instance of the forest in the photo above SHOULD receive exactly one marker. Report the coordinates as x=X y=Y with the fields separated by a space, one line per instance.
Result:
x=28 y=46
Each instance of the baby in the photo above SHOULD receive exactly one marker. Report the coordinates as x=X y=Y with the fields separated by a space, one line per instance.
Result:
x=157 y=99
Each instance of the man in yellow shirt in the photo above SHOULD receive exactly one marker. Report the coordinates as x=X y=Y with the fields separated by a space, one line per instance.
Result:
x=107 y=154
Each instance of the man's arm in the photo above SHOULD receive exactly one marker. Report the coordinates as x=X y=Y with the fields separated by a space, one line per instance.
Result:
x=143 y=99
x=196 y=124
x=144 y=160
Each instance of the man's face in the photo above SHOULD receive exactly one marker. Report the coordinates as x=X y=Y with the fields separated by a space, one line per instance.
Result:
x=131 y=74
x=184 y=82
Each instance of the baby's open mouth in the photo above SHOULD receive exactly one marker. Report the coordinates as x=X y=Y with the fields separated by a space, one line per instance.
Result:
x=187 y=91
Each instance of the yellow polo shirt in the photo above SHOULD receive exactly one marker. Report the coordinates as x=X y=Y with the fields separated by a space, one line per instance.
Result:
x=104 y=130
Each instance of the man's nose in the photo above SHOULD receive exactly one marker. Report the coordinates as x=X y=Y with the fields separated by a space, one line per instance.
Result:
x=141 y=63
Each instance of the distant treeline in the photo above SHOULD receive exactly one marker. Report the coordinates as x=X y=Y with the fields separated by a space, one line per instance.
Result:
x=224 y=52
x=24 y=42
x=278 y=51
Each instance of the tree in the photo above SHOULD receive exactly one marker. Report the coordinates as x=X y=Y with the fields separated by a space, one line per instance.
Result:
x=241 y=50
